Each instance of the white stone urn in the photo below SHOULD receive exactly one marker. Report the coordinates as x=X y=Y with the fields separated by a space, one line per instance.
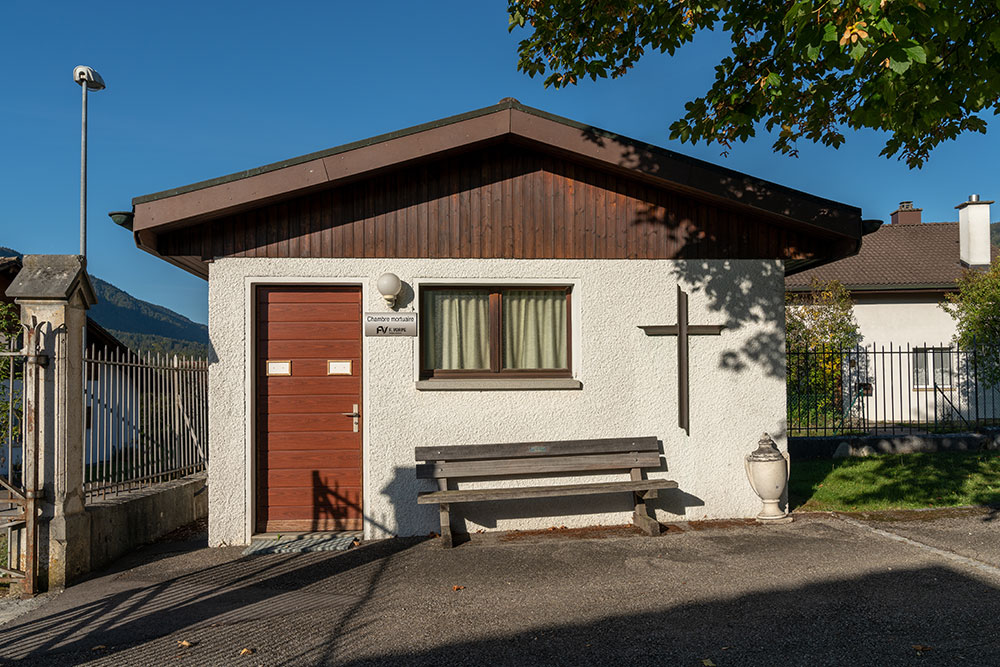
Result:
x=768 y=470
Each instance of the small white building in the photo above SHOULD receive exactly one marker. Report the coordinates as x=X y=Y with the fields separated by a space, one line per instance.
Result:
x=910 y=369
x=531 y=249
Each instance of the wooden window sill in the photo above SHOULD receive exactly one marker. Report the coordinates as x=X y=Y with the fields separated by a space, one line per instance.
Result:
x=497 y=384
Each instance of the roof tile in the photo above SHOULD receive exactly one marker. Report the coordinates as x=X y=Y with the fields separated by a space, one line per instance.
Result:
x=907 y=256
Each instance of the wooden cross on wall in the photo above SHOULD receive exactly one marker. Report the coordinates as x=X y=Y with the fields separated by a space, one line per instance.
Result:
x=682 y=330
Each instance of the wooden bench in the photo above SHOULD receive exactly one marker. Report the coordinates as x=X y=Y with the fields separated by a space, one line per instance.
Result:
x=527 y=459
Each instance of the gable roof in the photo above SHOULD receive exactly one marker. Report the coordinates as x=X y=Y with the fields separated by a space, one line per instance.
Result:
x=507 y=122
x=921 y=256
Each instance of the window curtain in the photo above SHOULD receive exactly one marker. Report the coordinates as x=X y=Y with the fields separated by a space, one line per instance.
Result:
x=920 y=367
x=458 y=322
x=942 y=367
x=534 y=329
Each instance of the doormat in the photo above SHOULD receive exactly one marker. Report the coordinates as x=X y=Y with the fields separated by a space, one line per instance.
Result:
x=300 y=544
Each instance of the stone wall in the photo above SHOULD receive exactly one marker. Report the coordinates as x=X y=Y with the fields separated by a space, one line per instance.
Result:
x=123 y=522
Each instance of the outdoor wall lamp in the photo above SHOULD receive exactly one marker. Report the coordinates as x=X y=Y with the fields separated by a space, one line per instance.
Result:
x=389 y=286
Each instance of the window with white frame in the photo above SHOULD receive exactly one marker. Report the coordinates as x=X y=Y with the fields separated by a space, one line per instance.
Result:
x=932 y=365
x=495 y=331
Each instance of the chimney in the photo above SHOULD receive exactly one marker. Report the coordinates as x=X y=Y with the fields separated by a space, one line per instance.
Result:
x=906 y=214
x=974 y=231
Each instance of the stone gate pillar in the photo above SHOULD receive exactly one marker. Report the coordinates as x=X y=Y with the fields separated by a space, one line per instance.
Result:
x=56 y=291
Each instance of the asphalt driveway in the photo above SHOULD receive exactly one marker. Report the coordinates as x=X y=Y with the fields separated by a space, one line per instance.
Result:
x=819 y=591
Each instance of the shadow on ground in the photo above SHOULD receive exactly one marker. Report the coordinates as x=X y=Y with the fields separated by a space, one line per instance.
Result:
x=808 y=593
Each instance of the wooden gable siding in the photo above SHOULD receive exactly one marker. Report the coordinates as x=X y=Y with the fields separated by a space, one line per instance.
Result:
x=499 y=202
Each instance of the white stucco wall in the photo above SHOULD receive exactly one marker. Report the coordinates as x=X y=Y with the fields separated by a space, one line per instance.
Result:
x=916 y=321
x=900 y=319
x=629 y=388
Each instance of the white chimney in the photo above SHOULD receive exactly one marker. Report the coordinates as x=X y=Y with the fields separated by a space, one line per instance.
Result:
x=974 y=231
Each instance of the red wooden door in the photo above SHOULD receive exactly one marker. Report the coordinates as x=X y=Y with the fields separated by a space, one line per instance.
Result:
x=308 y=443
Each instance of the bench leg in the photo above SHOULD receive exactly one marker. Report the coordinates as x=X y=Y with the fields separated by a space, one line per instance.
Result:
x=642 y=520
x=641 y=516
x=446 y=540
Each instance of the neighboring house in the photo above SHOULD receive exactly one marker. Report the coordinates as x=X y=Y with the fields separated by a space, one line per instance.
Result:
x=532 y=248
x=898 y=280
x=900 y=275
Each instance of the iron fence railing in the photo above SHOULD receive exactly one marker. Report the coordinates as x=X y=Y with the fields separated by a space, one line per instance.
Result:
x=147 y=420
x=20 y=360
x=899 y=389
x=11 y=409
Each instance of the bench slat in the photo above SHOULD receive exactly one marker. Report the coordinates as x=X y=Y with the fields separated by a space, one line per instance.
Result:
x=541 y=465
x=540 y=449
x=473 y=495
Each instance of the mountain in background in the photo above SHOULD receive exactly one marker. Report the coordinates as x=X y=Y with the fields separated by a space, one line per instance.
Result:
x=142 y=325
x=146 y=326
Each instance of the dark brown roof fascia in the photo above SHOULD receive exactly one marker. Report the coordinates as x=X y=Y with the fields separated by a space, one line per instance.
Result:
x=146 y=240
x=889 y=289
x=195 y=203
x=684 y=173
x=344 y=148
x=207 y=199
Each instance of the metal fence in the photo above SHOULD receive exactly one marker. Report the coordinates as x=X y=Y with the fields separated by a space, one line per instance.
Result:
x=11 y=409
x=19 y=457
x=899 y=389
x=147 y=420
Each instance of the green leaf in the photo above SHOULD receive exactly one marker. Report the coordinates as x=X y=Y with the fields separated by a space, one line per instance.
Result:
x=899 y=66
x=916 y=53
x=811 y=82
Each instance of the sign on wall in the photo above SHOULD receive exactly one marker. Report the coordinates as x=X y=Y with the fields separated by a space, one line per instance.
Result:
x=390 y=324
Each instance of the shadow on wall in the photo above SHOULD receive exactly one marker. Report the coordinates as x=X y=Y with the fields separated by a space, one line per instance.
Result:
x=745 y=300
x=734 y=185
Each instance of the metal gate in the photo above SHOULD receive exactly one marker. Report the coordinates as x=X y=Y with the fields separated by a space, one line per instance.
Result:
x=19 y=493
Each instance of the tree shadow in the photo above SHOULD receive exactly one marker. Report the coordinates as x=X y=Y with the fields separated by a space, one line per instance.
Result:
x=241 y=589
x=892 y=618
x=941 y=479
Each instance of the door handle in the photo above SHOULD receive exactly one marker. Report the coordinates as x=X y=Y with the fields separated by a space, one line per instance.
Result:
x=355 y=414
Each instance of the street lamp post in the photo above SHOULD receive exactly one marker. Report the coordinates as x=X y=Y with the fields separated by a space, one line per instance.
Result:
x=89 y=79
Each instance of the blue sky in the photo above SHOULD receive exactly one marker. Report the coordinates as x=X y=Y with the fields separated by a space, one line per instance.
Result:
x=202 y=89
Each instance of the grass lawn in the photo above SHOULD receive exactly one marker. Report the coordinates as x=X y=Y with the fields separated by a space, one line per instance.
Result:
x=896 y=481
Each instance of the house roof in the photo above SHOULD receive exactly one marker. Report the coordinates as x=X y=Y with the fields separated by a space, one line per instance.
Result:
x=508 y=121
x=10 y=264
x=921 y=256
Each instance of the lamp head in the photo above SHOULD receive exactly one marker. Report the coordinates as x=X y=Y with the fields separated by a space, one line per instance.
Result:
x=389 y=286
x=89 y=76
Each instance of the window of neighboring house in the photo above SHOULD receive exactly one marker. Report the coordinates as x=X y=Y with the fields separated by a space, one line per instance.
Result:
x=498 y=331
x=932 y=365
